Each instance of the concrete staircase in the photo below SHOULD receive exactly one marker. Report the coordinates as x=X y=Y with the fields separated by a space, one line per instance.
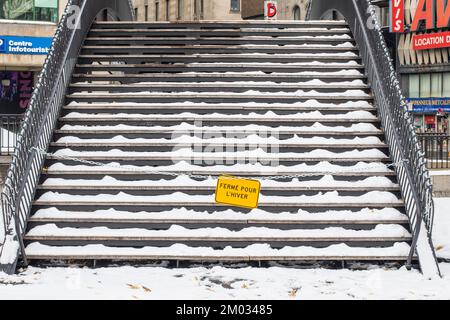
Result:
x=284 y=102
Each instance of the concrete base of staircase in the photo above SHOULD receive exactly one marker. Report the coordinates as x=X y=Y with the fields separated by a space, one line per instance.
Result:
x=5 y=161
x=441 y=184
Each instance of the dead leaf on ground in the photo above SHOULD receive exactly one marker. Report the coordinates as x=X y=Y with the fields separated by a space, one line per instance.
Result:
x=293 y=292
x=133 y=286
x=438 y=248
x=146 y=289
x=244 y=285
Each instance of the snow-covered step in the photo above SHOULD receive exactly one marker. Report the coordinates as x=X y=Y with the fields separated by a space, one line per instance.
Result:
x=288 y=40
x=200 y=58
x=361 y=169
x=221 y=49
x=218 y=87
x=232 y=32
x=219 y=98
x=346 y=75
x=329 y=200
x=296 y=184
x=283 y=132
x=384 y=235
x=229 y=67
x=230 y=219
x=325 y=108
x=207 y=24
x=268 y=118
x=257 y=252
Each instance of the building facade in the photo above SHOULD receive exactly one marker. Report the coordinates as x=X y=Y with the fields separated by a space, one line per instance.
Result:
x=26 y=31
x=424 y=74
x=217 y=10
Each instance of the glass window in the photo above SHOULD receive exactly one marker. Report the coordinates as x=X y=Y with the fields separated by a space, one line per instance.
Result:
x=235 y=5
x=446 y=84
x=436 y=85
x=35 y=10
x=180 y=9
x=167 y=10
x=146 y=12
x=414 y=86
x=157 y=11
x=425 y=85
x=296 y=13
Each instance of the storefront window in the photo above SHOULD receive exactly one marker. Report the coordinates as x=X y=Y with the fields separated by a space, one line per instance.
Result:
x=34 y=10
x=414 y=86
x=426 y=85
x=430 y=96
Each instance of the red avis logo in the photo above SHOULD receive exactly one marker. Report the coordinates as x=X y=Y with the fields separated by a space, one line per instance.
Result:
x=397 y=12
x=270 y=9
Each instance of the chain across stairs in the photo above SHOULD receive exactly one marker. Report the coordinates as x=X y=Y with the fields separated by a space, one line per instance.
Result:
x=209 y=176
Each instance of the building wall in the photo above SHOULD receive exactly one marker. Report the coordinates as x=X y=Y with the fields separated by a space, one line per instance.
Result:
x=30 y=29
x=218 y=10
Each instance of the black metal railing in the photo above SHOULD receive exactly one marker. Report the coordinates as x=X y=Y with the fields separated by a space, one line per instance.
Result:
x=9 y=129
x=41 y=117
x=413 y=177
x=437 y=150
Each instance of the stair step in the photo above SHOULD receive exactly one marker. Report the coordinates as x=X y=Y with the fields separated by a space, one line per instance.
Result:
x=142 y=121
x=218 y=67
x=139 y=206
x=171 y=144
x=398 y=252
x=222 y=58
x=258 y=40
x=219 y=49
x=196 y=32
x=222 y=77
x=205 y=24
x=216 y=98
x=166 y=134
x=363 y=220
x=161 y=187
x=214 y=87
x=196 y=108
x=382 y=235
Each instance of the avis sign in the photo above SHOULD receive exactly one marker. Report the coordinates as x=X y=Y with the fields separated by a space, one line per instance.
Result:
x=270 y=10
x=429 y=15
x=397 y=13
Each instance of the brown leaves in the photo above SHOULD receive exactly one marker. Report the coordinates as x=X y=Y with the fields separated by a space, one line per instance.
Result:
x=139 y=287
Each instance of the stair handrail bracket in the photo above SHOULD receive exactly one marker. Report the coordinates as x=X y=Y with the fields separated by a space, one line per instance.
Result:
x=414 y=178
x=41 y=118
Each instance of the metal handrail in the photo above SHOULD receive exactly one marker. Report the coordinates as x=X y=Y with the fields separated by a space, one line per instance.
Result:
x=414 y=178
x=41 y=118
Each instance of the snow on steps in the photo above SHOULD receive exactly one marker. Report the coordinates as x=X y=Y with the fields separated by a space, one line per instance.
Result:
x=256 y=252
x=348 y=209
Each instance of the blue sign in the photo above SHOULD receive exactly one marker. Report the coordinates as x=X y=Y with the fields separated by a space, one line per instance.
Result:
x=24 y=45
x=2 y=45
x=429 y=105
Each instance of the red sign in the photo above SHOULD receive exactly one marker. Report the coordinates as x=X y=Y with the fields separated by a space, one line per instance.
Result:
x=435 y=13
x=397 y=10
x=270 y=9
x=430 y=120
x=431 y=41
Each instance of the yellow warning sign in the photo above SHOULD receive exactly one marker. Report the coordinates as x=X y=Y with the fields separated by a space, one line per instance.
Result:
x=238 y=192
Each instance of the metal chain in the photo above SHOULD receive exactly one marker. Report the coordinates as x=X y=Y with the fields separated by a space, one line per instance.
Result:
x=196 y=176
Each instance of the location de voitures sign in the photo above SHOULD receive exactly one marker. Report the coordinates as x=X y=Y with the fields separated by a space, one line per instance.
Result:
x=435 y=14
